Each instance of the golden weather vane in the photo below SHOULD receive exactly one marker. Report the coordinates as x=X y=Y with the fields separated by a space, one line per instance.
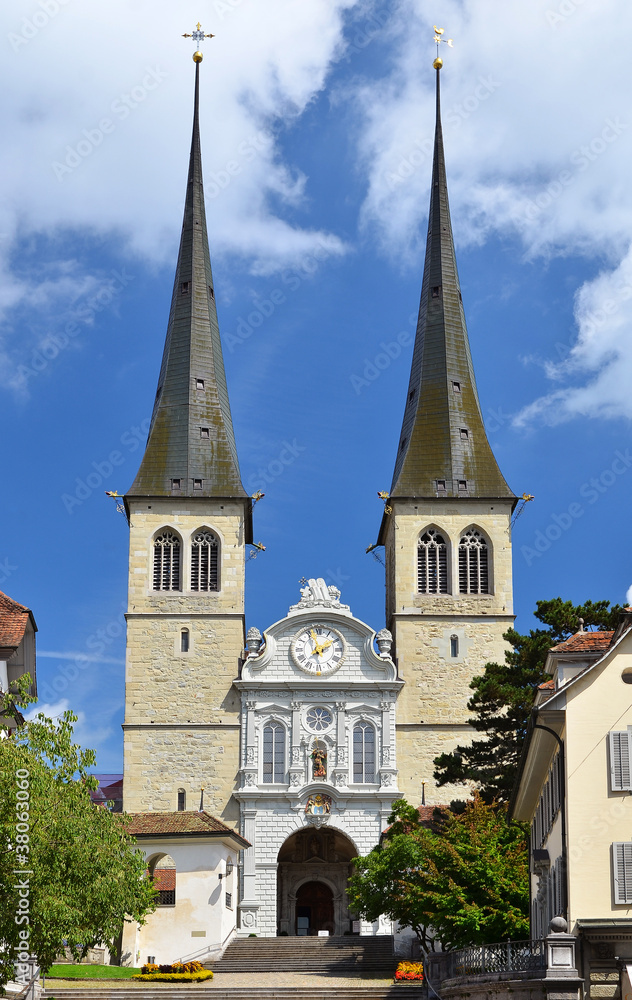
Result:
x=438 y=32
x=198 y=37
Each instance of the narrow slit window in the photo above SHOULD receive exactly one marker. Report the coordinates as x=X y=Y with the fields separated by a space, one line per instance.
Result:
x=456 y=386
x=454 y=645
x=462 y=485
x=175 y=484
x=436 y=291
x=204 y=561
x=182 y=800
x=185 y=287
x=199 y=383
x=464 y=434
x=184 y=640
x=403 y=444
x=197 y=484
x=432 y=564
x=211 y=291
x=473 y=563
x=441 y=486
x=205 y=432
x=411 y=395
x=167 y=562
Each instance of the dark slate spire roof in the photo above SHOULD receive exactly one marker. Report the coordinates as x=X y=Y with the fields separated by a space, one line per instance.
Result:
x=191 y=434
x=443 y=437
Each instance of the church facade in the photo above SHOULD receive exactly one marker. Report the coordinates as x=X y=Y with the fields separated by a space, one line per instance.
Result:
x=302 y=737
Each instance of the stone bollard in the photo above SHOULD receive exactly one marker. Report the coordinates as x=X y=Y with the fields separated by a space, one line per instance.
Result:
x=560 y=951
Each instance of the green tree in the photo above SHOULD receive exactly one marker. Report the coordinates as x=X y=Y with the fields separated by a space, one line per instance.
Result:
x=503 y=698
x=462 y=880
x=69 y=872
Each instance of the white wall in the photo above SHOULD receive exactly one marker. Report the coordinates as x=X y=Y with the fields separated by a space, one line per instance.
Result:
x=199 y=925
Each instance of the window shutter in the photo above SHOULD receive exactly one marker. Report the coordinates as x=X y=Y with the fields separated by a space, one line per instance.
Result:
x=622 y=865
x=619 y=762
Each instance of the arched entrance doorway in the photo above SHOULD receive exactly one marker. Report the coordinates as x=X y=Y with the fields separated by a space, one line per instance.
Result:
x=313 y=868
x=314 y=908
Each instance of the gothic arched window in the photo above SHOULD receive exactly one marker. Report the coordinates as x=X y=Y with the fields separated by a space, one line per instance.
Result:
x=204 y=561
x=432 y=563
x=363 y=753
x=167 y=561
x=473 y=563
x=274 y=754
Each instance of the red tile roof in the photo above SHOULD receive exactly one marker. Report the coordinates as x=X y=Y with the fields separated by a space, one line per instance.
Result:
x=163 y=824
x=548 y=685
x=13 y=621
x=587 y=642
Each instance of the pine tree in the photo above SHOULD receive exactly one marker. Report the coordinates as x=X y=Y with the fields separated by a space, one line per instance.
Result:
x=503 y=698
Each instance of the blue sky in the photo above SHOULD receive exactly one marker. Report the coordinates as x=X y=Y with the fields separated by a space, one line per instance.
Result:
x=316 y=126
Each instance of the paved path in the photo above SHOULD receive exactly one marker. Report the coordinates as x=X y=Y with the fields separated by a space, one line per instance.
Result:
x=228 y=979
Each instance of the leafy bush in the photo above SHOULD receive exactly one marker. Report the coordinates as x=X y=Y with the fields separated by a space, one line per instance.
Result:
x=410 y=971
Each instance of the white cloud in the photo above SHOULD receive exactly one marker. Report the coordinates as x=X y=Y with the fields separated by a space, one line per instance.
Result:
x=538 y=144
x=601 y=356
x=82 y=657
x=97 y=132
x=86 y=733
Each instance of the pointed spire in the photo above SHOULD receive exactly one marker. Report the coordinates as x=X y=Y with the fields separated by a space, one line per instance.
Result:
x=191 y=444
x=443 y=447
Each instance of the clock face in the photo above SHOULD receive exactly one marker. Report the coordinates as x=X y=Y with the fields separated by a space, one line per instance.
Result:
x=318 y=649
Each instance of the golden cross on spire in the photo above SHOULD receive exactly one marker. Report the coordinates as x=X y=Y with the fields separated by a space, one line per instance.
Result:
x=438 y=32
x=198 y=37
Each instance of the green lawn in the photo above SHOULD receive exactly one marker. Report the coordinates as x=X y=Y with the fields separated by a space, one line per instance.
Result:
x=90 y=972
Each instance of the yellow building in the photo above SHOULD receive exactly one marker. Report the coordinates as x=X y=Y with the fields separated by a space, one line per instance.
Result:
x=575 y=791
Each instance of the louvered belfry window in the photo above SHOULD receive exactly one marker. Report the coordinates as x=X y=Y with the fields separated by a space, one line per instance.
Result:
x=622 y=865
x=432 y=563
x=274 y=754
x=204 y=561
x=473 y=563
x=363 y=753
x=620 y=777
x=167 y=562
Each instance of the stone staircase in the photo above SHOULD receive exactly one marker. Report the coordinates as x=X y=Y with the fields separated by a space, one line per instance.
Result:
x=338 y=956
x=316 y=991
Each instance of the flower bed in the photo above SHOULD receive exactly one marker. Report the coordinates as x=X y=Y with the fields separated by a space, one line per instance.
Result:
x=178 y=972
x=409 y=972
x=175 y=977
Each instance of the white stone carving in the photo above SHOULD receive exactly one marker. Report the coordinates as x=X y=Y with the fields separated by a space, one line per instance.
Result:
x=318 y=595
x=384 y=641
x=254 y=640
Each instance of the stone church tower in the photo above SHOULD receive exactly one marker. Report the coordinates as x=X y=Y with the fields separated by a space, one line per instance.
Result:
x=446 y=527
x=190 y=520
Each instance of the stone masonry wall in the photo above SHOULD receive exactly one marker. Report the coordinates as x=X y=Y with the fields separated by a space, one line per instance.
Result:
x=168 y=689
x=432 y=713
